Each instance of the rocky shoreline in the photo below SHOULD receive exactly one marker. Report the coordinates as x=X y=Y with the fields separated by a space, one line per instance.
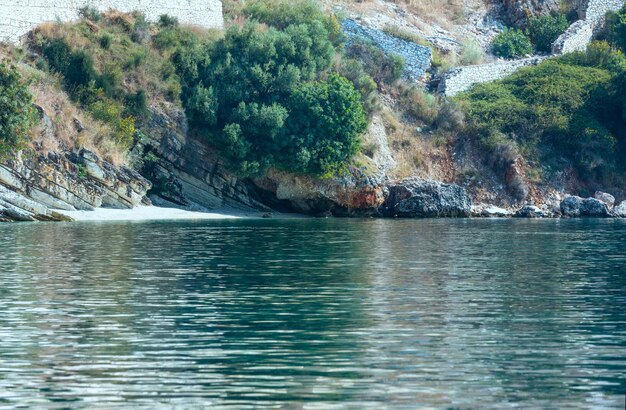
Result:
x=56 y=186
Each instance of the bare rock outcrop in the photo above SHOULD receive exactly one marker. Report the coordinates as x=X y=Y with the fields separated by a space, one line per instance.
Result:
x=32 y=189
x=419 y=198
x=518 y=12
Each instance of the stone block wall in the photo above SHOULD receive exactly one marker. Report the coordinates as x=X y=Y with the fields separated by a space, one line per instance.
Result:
x=576 y=38
x=579 y=34
x=18 y=17
x=463 y=78
x=417 y=59
x=594 y=10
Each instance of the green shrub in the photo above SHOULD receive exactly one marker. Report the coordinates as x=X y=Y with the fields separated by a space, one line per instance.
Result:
x=420 y=104
x=598 y=54
x=326 y=120
x=141 y=29
x=444 y=60
x=167 y=21
x=89 y=13
x=125 y=130
x=255 y=96
x=616 y=27
x=354 y=71
x=569 y=107
x=136 y=104
x=544 y=30
x=511 y=43
x=284 y=13
x=106 y=40
x=16 y=110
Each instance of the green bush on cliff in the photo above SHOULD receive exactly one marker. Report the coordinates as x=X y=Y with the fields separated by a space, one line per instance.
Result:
x=16 y=110
x=284 y=13
x=511 y=43
x=566 y=106
x=616 y=28
x=544 y=30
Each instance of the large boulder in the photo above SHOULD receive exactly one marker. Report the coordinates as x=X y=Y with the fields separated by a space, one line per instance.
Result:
x=574 y=206
x=418 y=198
x=353 y=194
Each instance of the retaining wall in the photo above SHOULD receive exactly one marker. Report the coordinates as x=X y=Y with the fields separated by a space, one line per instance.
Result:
x=417 y=59
x=18 y=17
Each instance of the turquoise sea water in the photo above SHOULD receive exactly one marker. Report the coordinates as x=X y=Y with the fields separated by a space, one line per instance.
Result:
x=302 y=314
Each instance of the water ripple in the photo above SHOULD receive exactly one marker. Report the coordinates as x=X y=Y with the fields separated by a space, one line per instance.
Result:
x=314 y=314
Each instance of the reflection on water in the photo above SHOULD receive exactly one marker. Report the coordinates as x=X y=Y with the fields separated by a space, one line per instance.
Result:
x=314 y=314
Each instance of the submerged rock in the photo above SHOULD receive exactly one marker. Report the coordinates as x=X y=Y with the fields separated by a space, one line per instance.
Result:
x=574 y=206
x=418 y=198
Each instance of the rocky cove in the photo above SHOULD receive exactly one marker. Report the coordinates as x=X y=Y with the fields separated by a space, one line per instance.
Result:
x=38 y=188
x=191 y=176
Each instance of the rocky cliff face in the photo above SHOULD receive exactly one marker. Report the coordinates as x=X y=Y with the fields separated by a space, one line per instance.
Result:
x=518 y=12
x=187 y=173
x=32 y=189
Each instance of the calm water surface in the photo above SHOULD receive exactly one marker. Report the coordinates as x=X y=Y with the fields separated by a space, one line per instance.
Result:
x=302 y=314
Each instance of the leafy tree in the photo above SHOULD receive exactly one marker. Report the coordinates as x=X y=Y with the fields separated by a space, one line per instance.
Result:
x=511 y=43
x=544 y=30
x=325 y=121
x=241 y=93
x=16 y=110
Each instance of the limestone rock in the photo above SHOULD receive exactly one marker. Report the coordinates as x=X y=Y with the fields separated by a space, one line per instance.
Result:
x=418 y=198
x=574 y=206
x=490 y=211
x=187 y=173
x=620 y=210
x=32 y=188
x=353 y=194
x=518 y=12
x=608 y=199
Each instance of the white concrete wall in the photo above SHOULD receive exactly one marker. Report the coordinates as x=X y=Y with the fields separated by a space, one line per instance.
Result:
x=18 y=17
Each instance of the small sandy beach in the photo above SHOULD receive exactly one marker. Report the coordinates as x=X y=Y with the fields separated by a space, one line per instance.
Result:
x=143 y=213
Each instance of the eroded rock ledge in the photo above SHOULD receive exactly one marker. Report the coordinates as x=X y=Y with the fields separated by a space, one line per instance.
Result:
x=31 y=189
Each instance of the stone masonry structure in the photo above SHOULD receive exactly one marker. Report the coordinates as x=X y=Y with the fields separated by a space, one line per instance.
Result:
x=576 y=38
x=18 y=17
x=417 y=59
x=463 y=78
